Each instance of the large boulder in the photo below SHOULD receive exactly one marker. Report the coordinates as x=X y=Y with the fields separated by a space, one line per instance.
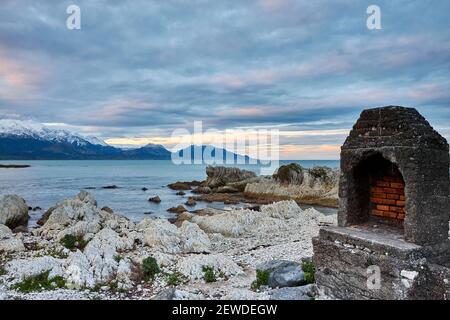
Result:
x=221 y=176
x=193 y=239
x=283 y=273
x=161 y=235
x=291 y=174
x=9 y=243
x=77 y=216
x=13 y=211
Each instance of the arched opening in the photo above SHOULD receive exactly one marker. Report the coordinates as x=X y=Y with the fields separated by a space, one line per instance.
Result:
x=380 y=191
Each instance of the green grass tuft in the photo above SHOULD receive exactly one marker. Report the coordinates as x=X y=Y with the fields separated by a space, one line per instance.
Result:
x=262 y=279
x=310 y=270
x=40 y=282
x=72 y=242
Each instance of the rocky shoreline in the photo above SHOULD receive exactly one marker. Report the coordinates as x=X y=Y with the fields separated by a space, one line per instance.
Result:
x=83 y=252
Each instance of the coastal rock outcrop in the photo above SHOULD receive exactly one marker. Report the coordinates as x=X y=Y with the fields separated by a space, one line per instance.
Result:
x=237 y=222
x=318 y=185
x=13 y=211
x=221 y=176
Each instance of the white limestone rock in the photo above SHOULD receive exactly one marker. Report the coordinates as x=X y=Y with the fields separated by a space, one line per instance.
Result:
x=78 y=271
x=78 y=216
x=101 y=252
x=13 y=211
x=11 y=245
x=23 y=268
x=194 y=239
x=5 y=232
x=161 y=235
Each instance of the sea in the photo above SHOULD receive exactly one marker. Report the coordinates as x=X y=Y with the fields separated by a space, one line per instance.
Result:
x=47 y=182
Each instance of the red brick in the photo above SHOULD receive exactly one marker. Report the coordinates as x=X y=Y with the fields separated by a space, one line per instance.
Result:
x=400 y=203
x=383 y=184
x=389 y=214
x=377 y=190
x=380 y=195
x=402 y=198
x=397 y=209
x=397 y=185
x=382 y=201
x=393 y=196
x=382 y=207
x=378 y=213
x=393 y=191
x=401 y=216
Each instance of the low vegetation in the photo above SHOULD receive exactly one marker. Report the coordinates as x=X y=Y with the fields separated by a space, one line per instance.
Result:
x=2 y=271
x=208 y=274
x=72 y=242
x=309 y=269
x=174 y=279
x=40 y=282
x=150 y=269
x=262 y=279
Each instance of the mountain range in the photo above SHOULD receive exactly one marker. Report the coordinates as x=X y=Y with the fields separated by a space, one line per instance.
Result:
x=29 y=140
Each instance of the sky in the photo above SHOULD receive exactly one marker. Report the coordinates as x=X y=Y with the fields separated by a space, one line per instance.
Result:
x=138 y=70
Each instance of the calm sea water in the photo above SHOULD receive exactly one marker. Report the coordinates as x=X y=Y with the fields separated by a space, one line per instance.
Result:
x=48 y=182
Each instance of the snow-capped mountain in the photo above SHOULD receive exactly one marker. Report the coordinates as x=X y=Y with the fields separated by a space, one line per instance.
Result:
x=35 y=130
x=29 y=140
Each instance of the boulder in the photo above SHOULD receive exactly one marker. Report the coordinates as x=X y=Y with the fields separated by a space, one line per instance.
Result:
x=178 y=209
x=155 y=199
x=13 y=211
x=221 y=176
x=161 y=234
x=290 y=174
x=283 y=273
x=202 y=190
x=193 y=239
x=8 y=243
x=101 y=252
x=287 y=276
x=179 y=186
x=23 y=268
x=181 y=193
x=190 y=202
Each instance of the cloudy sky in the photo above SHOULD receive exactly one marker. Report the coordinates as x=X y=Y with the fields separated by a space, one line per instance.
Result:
x=137 y=70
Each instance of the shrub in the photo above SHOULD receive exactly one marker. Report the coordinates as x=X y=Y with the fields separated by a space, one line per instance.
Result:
x=310 y=270
x=262 y=279
x=174 y=279
x=209 y=274
x=72 y=242
x=40 y=282
x=150 y=268
x=319 y=173
x=2 y=271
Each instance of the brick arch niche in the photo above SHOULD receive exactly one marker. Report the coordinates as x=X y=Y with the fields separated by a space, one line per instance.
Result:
x=395 y=169
x=379 y=191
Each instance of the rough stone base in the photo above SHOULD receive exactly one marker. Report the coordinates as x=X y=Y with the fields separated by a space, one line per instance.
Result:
x=342 y=257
